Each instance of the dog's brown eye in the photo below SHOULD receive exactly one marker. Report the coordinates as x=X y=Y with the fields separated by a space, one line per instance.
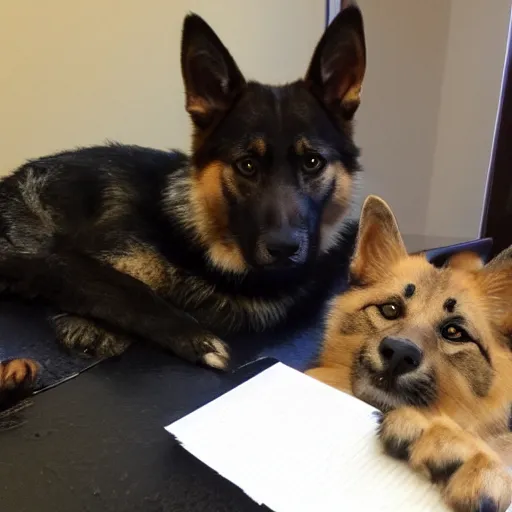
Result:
x=390 y=311
x=452 y=332
x=313 y=163
x=247 y=167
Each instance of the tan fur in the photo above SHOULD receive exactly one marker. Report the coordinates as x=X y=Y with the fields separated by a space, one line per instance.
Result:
x=302 y=145
x=189 y=292
x=258 y=145
x=210 y=217
x=17 y=372
x=209 y=214
x=466 y=260
x=351 y=87
x=436 y=442
x=335 y=211
x=144 y=264
x=197 y=105
x=471 y=408
x=378 y=236
x=117 y=198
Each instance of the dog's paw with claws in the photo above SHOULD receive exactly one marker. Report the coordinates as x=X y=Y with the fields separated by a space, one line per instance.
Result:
x=216 y=353
x=197 y=345
x=17 y=373
x=471 y=476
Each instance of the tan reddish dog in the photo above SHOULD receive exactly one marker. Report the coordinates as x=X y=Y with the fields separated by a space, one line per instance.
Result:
x=431 y=348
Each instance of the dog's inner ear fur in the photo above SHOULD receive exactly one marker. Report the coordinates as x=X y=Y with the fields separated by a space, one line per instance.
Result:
x=338 y=65
x=211 y=77
x=496 y=283
x=379 y=243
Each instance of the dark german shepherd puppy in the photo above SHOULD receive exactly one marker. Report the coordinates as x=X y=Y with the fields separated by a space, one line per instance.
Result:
x=243 y=235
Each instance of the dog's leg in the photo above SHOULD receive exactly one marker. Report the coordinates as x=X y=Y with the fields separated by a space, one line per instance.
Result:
x=89 y=337
x=82 y=286
x=470 y=474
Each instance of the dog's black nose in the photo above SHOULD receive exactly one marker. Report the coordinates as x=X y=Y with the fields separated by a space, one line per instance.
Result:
x=399 y=356
x=282 y=244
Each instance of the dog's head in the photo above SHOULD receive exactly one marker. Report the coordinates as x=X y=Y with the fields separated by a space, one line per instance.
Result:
x=273 y=166
x=408 y=333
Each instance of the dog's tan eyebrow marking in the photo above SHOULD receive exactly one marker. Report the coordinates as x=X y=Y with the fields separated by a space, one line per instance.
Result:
x=258 y=145
x=302 y=146
x=449 y=305
x=409 y=290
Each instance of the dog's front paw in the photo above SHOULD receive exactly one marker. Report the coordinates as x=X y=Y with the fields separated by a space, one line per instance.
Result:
x=211 y=351
x=216 y=353
x=481 y=483
x=470 y=474
x=88 y=337
x=197 y=345
x=17 y=374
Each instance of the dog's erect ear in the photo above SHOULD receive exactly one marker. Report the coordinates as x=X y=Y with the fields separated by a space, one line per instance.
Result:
x=465 y=260
x=379 y=243
x=503 y=257
x=474 y=258
x=448 y=255
x=337 y=68
x=211 y=76
x=496 y=283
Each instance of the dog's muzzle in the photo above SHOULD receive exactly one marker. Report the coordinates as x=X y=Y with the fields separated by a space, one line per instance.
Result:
x=282 y=247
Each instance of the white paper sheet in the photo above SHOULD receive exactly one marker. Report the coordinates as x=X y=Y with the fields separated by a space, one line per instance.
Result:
x=297 y=445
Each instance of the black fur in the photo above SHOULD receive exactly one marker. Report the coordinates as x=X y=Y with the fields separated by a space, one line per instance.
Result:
x=409 y=290
x=112 y=233
x=449 y=305
x=397 y=448
x=440 y=474
x=485 y=504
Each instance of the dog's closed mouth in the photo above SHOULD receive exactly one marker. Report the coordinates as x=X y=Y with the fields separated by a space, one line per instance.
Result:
x=386 y=391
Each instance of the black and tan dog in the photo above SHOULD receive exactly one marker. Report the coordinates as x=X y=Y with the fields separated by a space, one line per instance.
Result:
x=431 y=348
x=246 y=234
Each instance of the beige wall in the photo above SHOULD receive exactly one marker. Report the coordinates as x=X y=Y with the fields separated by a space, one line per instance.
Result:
x=397 y=122
x=469 y=104
x=77 y=73
x=429 y=108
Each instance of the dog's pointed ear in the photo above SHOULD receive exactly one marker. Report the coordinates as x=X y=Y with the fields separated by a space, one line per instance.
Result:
x=379 y=243
x=496 y=283
x=465 y=260
x=337 y=68
x=502 y=257
x=211 y=77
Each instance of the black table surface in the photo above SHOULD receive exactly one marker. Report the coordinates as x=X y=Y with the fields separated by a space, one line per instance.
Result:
x=97 y=442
